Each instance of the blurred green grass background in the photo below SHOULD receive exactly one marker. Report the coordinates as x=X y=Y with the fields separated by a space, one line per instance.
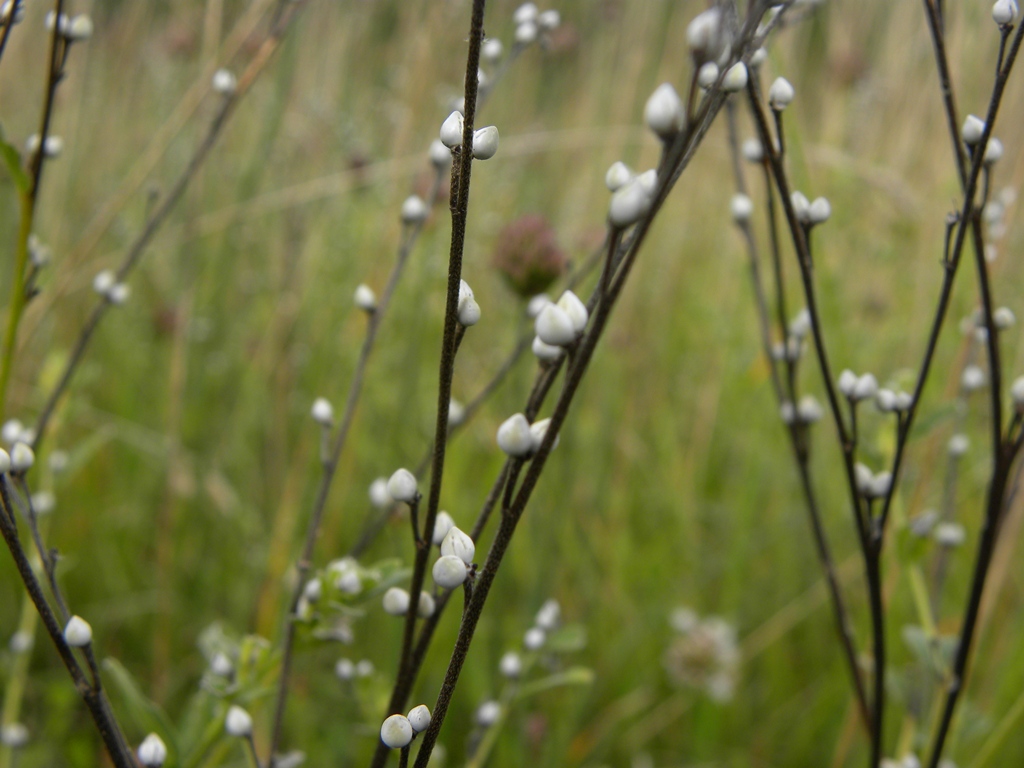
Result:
x=194 y=461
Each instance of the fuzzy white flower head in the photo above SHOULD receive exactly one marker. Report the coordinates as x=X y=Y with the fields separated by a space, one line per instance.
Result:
x=364 y=668
x=781 y=94
x=152 y=751
x=847 y=382
x=664 y=111
x=487 y=714
x=742 y=208
x=79 y=28
x=449 y=571
x=958 y=445
x=524 y=13
x=459 y=544
x=514 y=436
x=419 y=718
x=238 y=722
x=707 y=74
x=801 y=206
x=819 y=211
x=491 y=51
x=1017 y=393
x=809 y=409
x=1005 y=11
x=554 y=326
x=866 y=387
x=885 y=400
x=545 y=352
x=396 y=601
x=425 y=606
x=526 y=33
x=396 y=732
x=119 y=293
x=511 y=665
x=402 y=486
x=379 y=496
x=103 y=282
x=451 y=130
x=442 y=524
x=344 y=669
x=322 y=411
x=221 y=665
x=538 y=431
x=224 y=82
x=485 y=142
x=972 y=379
x=949 y=534
x=77 y=632
x=628 y=205
x=1003 y=318
x=440 y=155
x=703 y=34
x=5 y=461
x=364 y=298
x=752 y=150
x=22 y=457
x=618 y=175
x=536 y=304
x=534 y=639
x=549 y=20
x=14 y=735
x=570 y=303
x=735 y=78
x=414 y=210
x=972 y=130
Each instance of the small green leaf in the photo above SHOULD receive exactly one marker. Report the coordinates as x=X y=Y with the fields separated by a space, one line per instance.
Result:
x=12 y=159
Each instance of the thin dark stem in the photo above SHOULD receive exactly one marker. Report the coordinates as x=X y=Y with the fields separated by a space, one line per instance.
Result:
x=8 y=25
x=48 y=559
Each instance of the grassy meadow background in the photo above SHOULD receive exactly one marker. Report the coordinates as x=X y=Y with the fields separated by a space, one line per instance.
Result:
x=193 y=460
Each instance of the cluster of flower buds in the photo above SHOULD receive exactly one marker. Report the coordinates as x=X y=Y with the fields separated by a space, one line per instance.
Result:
x=20 y=459
x=485 y=140
x=398 y=731
x=704 y=655
x=531 y=23
x=872 y=485
x=632 y=194
x=519 y=438
x=807 y=411
x=856 y=388
x=52 y=147
x=396 y=602
x=810 y=213
x=71 y=28
x=106 y=285
x=558 y=325
x=893 y=400
x=346 y=669
x=457 y=551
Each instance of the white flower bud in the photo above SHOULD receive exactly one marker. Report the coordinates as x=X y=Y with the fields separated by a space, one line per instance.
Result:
x=536 y=304
x=1017 y=393
x=103 y=282
x=819 y=211
x=628 y=204
x=703 y=34
x=555 y=327
x=313 y=590
x=537 y=432
x=456 y=412
x=972 y=130
x=322 y=411
x=800 y=325
x=440 y=155
x=570 y=303
x=511 y=665
x=524 y=13
x=707 y=74
x=77 y=632
x=119 y=293
x=396 y=601
x=885 y=400
x=379 y=496
x=449 y=571
x=458 y=544
x=485 y=142
x=781 y=94
x=752 y=150
x=993 y=151
x=903 y=401
x=801 y=207
x=664 y=111
x=5 y=462
x=526 y=33
x=547 y=353
x=949 y=535
x=1003 y=318
x=787 y=412
x=847 y=382
x=51 y=21
x=152 y=751
x=809 y=410
x=7 y=7
x=345 y=669
x=958 y=445
x=549 y=615
x=742 y=208
x=648 y=181
x=1004 y=11
x=759 y=57
x=14 y=735
x=53 y=147
x=866 y=387
x=396 y=732
x=419 y=718
x=921 y=525
x=43 y=502
x=22 y=457
x=469 y=312
x=20 y=642
x=972 y=379
x=11 y=431
x=491 y=51
x=364 y=298
x=224 y=82
x=534 y=639
x=549 y=20
x=414 y=210
x=514 y=436
x=402 y=486
x=451 y=130
x=221 y=665
x=487 y=714
x=425 y=607
x=79 y=28
x=442 y=524
x=863 y=478
x=364 y=668
x=735 y=78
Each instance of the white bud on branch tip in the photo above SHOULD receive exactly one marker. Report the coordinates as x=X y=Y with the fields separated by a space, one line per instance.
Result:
x=322 y=411
x=618 y=175
x=485 y=142
x=77 y=633
x=458 y=544
x=1005 y=11
x=224 y=82
x=468 y=309
x=781 y=94
x=451 y=130
x=396 y=601
x=238 y=722
x=364 y=298
x=742 y=208
x=570 y=303
x=152 y=751
x=449 y=571
x=402 y=486
x=735 y=78
x=554 y=326
x=442 y=524
x=707 y=74
x=628 y=204
x=419 y=718
x=22 y=457
x=664 y=111
x=514 y=436
x=396 y=732
x=972 y=130
x=414 y=210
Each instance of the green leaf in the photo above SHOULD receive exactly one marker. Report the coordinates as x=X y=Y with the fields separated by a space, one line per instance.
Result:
x=12 y=159
x=572 y=676
x=146 y=715
x=567 y=639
